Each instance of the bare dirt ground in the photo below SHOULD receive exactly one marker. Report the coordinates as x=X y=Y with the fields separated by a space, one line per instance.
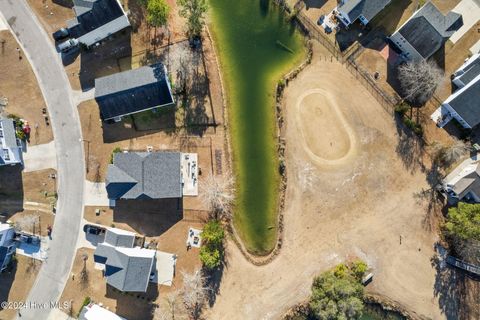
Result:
x=21 y=89
x=25 y=193
x=16 y=283
x=361 y=206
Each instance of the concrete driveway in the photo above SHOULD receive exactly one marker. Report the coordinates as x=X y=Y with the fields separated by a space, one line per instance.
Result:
x=55 y=87
x=40 y=157
x=470 y=11
x=95 y=194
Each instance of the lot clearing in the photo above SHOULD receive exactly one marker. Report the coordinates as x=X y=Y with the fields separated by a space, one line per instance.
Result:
x=21 y=89
x=365 y=206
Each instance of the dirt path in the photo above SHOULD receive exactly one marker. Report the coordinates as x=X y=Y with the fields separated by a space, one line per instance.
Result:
x=360 y=206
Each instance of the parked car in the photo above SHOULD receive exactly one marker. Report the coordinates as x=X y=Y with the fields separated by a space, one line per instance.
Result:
x=320 y=20
x=60 y=34
x=93 y=229
x=68 y=45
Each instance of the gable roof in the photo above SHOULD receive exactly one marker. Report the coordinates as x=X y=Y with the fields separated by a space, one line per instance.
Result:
x=469 y=70
x=119 y=238
x=133 y=91
x=8 y=142
x=9 y=136
x=127 y=269
x=465 y=178
x=366 y=8
x=428 y=29
x=466 y=102
x=156 y=175
x=96 y=19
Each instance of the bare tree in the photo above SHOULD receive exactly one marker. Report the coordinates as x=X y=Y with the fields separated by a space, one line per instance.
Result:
x=172 y=309
x=195 y=292
x=27 y=222
x=419 y=80
x=84 y=272
x=447 y=155
x=218 y=193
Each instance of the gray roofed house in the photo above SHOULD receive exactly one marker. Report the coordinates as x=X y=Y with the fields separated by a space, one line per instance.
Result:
x=364 y=10
x=96 y=20
x=10 y=146
x=425 y=32
x=133 y=91
x=144 y=175
x=463 y=183
x=463 y=105
x=127 y=268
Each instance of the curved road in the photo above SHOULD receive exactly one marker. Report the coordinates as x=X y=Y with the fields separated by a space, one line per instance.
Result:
x=65 y=122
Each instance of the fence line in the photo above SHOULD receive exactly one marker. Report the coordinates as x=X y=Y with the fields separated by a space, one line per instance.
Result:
x=387 y=102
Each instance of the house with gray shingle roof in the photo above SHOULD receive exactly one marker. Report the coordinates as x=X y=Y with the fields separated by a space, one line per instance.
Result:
x=127 y=268
x=144 y=175
x=96 y=20
x=133 y=91
x=364 y=10
x=463 y=183
x=425 y=32
x=10 y=146
x=463 y=104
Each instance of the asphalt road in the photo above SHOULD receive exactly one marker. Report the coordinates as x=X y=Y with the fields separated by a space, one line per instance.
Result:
x=65 y=122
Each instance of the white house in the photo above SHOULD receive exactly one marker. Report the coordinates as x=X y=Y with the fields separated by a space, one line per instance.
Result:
x=7 y=246
x=93 y=311
x=463 y=183
x=464 y=104
x=364 y=10
x=10 y=146
x=425 y=32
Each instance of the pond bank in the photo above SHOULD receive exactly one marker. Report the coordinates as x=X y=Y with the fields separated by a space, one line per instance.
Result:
x=256 y=46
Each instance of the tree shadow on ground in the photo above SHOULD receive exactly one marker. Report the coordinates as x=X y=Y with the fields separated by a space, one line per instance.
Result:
x=149 y=217
x=6 y=279
x=11 y=190
x=314 y=4
x=214 y=279
x=136 y=14
x=436 y=203
x=410 y=147
x=124 y=130
x=134 y=305
x=448 y=285
x=112 y=56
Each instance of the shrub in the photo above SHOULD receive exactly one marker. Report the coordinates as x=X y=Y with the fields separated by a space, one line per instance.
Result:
x=415 y=127
x=21 y=135
x=210 y=257
x=211 y=253
x=116 y=150
x=402 y=108
x=464 y=221
x=336 y=297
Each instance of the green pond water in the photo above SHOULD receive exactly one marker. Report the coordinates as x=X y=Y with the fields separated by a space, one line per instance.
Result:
x=256 y=47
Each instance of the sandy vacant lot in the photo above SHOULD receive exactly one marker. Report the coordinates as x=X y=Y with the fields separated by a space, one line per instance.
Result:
x=359 y=205
x=21 y=89
x=16 y=283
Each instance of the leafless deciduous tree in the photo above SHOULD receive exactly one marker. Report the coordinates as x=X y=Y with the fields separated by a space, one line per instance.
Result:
x=419 y=80
x=171 y=309
x=28 y=223
x=195 y=291
x=447 y=155
x=218 y=192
